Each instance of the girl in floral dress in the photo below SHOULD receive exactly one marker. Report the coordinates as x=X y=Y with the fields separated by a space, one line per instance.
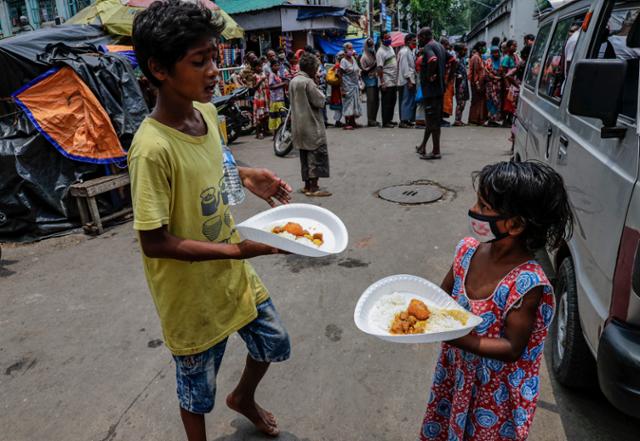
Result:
x=486 y=384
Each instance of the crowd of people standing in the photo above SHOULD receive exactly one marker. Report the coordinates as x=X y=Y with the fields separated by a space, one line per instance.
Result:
x=429 y=80
x=488 y=77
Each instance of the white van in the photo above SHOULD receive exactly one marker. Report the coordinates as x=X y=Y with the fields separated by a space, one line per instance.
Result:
x=578 y=112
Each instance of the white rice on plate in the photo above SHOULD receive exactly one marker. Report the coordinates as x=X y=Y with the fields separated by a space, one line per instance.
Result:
x=386 y=308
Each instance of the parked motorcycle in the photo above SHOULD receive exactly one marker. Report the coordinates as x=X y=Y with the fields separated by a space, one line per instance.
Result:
x=282 y=143
x=239 y=118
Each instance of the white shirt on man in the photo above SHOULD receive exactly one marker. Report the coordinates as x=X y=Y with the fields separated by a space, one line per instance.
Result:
x=406 y=66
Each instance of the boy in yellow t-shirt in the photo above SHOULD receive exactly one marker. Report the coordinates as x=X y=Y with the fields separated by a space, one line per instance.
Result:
x=202 y=288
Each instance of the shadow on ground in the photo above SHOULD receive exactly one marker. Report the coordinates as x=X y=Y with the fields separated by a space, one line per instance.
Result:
x=587 y=414
x=245 y=431
x=5 y=272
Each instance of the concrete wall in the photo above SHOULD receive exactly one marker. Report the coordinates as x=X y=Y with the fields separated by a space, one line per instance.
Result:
x=257 y=20
x=514 y=25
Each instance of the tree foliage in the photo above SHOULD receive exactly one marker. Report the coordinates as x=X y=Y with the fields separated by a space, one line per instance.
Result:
x=444 y=16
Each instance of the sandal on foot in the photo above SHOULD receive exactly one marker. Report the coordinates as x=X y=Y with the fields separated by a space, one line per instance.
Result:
x=430 y=157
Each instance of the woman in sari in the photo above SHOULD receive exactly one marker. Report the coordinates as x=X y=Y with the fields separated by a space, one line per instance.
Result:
x=449 y=82
x=335 y=99
x=510 y=63
x=477 y=74
x=493 y=87
x=350 y=73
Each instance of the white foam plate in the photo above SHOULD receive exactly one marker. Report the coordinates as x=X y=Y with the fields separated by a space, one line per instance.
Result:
x=312 y=218
x=410 y=287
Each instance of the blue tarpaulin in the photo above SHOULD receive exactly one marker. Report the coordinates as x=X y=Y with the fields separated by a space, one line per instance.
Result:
x=333 y=46
x=324 y=11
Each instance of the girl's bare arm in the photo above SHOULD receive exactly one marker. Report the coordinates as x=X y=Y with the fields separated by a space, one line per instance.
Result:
x=518 y=327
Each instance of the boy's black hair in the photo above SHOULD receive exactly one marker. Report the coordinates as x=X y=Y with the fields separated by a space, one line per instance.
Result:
x=533 y=192
x=167 y=29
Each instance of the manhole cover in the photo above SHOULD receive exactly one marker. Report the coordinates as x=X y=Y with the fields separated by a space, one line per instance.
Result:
x=413 y=194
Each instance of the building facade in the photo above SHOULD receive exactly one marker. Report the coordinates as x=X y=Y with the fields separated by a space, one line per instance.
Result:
x=510 y=19
x=39 y=13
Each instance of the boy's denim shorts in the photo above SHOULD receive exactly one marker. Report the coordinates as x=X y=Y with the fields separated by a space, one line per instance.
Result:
x=266 y=339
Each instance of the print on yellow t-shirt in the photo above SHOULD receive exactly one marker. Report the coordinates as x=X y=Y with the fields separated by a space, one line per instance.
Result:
x=177 y=180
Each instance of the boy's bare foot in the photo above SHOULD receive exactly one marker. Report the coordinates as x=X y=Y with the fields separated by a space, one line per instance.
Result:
x=264 y=420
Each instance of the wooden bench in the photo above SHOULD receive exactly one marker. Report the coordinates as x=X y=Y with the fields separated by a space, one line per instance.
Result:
x=85 y=194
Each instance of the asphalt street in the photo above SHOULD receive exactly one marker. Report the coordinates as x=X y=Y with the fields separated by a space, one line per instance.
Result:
x=81 y=355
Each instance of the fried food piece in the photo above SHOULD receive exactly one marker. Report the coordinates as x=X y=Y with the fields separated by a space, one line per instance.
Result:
x=418 y=309
x=294 y=228
x=404 y=323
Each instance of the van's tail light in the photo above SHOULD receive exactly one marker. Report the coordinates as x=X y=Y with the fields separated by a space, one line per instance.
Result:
x=635 y=275
x=627 y=274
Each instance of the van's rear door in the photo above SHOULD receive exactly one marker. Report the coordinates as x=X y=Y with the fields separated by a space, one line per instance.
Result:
x=600 y=173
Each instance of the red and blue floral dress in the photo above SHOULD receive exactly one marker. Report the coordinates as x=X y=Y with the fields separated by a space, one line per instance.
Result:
x=478 y=398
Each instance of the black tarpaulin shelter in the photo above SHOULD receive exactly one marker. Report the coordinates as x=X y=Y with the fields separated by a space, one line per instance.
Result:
x=34 y=176
x=19 y=54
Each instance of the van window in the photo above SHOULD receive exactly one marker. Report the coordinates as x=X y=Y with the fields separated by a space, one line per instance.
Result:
x=535 y=59
x=559 y=57
x=611 y=42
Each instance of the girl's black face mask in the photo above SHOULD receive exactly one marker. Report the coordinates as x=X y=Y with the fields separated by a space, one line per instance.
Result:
x=485 y=228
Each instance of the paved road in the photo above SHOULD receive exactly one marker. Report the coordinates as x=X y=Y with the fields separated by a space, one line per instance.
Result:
x=81 y=359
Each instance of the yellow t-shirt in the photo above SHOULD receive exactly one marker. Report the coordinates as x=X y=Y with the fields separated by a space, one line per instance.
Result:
x=177 y=180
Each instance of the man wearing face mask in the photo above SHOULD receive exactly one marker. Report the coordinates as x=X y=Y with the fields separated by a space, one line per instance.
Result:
x=370 y=78
x=388 y=76
x=407 y=82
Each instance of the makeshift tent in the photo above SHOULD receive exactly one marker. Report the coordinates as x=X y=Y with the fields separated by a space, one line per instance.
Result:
x=117 y=18
x=335 y=45
x=19 y=55
x=34 y=199
x=69 y=116
x=124 y=50
x=34 y=175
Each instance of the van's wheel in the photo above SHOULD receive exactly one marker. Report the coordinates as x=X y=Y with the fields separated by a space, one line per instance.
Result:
x=571 y=360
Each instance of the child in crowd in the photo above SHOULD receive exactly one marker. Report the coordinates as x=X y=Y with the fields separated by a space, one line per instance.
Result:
x=277 y=86
x=260 y=98
x=202 y=287
x=486 y=384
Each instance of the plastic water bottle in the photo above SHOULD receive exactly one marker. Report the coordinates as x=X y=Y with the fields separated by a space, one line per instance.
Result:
x=233 y=191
